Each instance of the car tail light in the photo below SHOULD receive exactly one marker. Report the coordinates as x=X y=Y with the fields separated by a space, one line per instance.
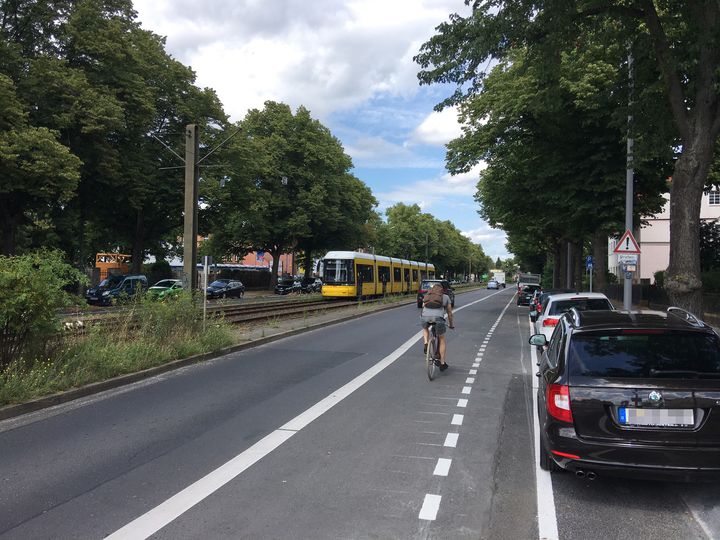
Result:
x=565 y=454
x=558 y=402
x=550 y=322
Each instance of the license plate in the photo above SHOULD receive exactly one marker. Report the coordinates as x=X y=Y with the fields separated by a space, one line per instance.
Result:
x=628 y=416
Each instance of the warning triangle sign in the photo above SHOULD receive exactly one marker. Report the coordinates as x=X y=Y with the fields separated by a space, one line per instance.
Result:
x=627 y=244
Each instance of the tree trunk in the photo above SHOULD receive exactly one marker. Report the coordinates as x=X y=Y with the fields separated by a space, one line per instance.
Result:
x=9 y=225
x=578 y=266
x=683 y=282
x=138 y=248
x=275 y=254
x=558 y=268
x=600 y=259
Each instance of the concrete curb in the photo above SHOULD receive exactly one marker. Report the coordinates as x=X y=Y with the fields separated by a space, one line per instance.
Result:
x=11 y=411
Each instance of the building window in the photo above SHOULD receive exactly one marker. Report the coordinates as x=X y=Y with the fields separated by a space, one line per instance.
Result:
x=714 y=197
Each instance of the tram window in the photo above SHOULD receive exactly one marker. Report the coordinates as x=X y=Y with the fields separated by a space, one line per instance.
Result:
x=415 y=275
x=396 y=274
x=365 y=273
x=338 y=271
x=384 y=274
x=407 y=275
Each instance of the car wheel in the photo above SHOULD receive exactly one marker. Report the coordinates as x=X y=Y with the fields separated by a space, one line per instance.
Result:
x=546 y=462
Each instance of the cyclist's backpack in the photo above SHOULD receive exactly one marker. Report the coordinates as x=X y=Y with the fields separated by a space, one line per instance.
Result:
x=434 y=297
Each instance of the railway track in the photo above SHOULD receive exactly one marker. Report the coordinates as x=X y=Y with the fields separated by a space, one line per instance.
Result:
x=235 y=313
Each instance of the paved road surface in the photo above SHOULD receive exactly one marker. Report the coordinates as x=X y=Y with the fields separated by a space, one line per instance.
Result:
x=336 y=433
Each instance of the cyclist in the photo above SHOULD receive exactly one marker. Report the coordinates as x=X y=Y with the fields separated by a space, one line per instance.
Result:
x=435 y=305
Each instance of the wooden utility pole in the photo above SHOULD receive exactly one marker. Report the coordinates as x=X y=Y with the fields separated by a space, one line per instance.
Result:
x=192 y=177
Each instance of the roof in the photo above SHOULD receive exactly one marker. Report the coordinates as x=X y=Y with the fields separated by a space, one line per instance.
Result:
x=570 y=296
x=370 y=257
x=610 y=320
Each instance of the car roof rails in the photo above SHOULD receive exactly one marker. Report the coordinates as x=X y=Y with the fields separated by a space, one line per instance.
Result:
x=686 y=316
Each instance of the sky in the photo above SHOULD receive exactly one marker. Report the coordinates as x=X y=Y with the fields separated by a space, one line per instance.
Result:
x=350 y=62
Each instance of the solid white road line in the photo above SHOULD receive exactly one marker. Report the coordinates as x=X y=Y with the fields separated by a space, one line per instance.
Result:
x=155 y=519
x=457 y=420
x=547 y=519
x=443 y=467
x=430 y=507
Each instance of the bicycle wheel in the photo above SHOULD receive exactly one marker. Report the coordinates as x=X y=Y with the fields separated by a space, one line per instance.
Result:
x=430 y=358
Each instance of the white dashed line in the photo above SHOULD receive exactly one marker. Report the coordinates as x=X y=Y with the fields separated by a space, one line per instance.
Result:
x=457 y=420
x=430 y=507
x=470 y=380
x=472 y=372
x=451 y=440
x=462 y=403
x=443 y=467
x=466 y=389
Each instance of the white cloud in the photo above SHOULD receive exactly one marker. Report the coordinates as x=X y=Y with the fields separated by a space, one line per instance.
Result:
x=324 y=54
x=492 y=241
x=438 y=128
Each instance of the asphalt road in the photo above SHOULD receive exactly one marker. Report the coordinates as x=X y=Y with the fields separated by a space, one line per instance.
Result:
x=335 y=433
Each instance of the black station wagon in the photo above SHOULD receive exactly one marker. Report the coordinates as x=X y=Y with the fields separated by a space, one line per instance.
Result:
x=630 y=393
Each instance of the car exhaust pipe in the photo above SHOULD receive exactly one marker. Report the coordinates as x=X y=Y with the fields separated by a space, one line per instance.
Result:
x=591 y=475
x=580 y=473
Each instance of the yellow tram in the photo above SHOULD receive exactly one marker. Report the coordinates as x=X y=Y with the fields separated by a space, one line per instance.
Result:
x=352 y=274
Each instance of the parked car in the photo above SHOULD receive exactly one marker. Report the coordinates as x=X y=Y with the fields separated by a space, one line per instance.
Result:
x=94 y=294
x=492 y=284
x=630 y=393
x=539 y=297
x=556 y=304
x=166 y=288
x=127 y=288
x=288 y=285
x=225 y=288
x=425 y=286
x=526 y=293
x=311 y=285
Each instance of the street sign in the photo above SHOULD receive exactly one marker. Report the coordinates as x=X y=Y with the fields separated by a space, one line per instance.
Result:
x=630 y=268
x=589 y=262
x=627 y=244
x=627 y=258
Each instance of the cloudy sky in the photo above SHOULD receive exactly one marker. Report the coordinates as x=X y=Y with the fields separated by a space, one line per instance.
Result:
x=350 y=63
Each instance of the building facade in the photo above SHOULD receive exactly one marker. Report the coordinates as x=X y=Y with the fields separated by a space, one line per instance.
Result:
x=653 y=239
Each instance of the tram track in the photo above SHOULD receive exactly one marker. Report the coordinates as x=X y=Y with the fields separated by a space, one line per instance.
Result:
x=233 y=313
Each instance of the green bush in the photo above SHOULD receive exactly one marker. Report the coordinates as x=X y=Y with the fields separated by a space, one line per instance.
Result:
x=148 y=334
x=31 y=292
x=659 y=277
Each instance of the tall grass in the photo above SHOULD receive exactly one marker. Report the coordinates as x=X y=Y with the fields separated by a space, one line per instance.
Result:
x=147 y=335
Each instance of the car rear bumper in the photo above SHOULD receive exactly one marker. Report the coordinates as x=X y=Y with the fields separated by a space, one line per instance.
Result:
x=638 y=461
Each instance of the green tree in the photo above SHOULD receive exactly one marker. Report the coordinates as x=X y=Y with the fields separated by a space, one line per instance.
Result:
x=676 y=41
x=37 y=173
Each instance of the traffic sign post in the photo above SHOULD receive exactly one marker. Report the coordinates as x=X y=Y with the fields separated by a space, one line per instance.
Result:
x=589 y=267
x=627 y=251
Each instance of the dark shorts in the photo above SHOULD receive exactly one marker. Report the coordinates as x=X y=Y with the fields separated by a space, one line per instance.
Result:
x=440 y=325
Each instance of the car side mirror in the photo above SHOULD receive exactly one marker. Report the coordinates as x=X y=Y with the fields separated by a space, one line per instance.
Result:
x=539 y=340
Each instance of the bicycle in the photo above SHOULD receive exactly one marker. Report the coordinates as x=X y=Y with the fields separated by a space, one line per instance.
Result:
x=433 y=346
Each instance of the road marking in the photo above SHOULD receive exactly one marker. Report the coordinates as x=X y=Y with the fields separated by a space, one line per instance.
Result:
x=430 y=507
x=470 y=380
x=457 y=420
x=155 y=519
x=443 y=467
x=476 y=364
x=547 y=519
x=451 y=440
x=472 y=372
x=462 y=403
x=466 y=389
